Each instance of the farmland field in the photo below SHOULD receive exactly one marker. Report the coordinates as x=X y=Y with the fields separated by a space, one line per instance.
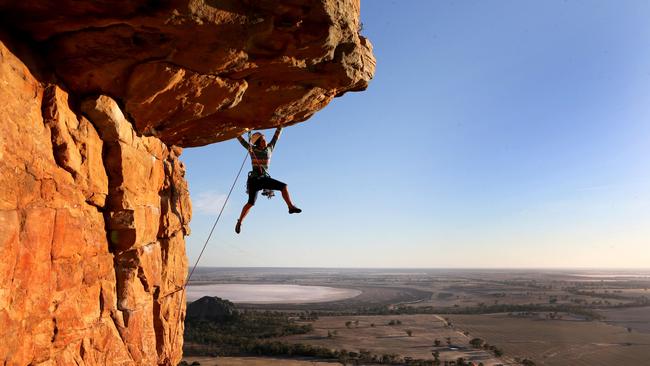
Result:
x=377 y=335
x=559 y=342
x=637 y=319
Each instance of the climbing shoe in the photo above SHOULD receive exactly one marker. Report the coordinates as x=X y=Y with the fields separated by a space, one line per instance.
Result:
x=294 y=210
x=238 y=227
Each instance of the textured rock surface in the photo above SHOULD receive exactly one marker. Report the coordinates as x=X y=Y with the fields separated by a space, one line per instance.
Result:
x=92 y=219
x=196 y=72
x=95 y=99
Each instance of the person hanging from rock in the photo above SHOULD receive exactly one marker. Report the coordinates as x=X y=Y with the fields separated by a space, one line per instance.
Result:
x=259 y=178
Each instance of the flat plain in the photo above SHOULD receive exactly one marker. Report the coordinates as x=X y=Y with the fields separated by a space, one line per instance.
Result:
x=549 y=317
x=411 y=336
x=559 y=342
x=636 y=319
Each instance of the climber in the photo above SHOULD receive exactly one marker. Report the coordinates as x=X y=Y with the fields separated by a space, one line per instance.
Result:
x=258 y=177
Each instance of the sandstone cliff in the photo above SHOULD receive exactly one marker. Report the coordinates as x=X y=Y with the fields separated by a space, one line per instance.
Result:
x=96 y=101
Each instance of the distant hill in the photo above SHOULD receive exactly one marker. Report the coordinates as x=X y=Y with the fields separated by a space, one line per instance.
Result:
x=211 y=308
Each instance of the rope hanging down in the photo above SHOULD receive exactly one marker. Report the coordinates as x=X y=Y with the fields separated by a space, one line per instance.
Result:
x=225 y=202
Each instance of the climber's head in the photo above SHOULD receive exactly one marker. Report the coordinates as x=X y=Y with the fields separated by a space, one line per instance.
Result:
x=258 y=140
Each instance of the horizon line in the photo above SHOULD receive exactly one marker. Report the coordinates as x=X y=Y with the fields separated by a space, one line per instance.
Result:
x=438 y=268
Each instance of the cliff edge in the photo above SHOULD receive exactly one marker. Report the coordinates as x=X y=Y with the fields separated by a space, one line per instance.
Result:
x=97 y=100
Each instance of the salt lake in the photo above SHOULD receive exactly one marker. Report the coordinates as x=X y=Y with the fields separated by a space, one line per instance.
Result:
x=270 y=294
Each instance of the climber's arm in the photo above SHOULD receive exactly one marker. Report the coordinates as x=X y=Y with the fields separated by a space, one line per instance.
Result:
x=276 y=136
x=244 y=143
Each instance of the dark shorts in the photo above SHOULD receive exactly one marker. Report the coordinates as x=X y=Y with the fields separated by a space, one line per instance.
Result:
x=256 y=184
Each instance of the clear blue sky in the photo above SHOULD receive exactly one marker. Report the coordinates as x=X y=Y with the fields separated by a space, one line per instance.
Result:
x=495 y=134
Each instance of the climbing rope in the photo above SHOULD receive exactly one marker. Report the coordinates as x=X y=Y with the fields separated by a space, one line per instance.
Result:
x=217 y=220
x=225 y=202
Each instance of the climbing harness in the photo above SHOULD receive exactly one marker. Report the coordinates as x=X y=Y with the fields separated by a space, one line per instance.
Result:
x=265 y=192
x=268 y=193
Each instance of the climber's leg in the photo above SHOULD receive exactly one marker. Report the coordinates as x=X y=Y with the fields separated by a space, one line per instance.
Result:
x=244 y=211
x=276 y=185
x=286 y=196
x=252 y=197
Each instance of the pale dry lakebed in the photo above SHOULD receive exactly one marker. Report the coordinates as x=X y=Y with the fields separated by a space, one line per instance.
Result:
x=270 y=294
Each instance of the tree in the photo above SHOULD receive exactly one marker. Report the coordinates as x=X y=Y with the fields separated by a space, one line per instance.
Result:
x=348 y=324
x=449 y=341
x=477 y=342
x=436 y=342
x=409 y=332
x=436 y=355
x=389 y=358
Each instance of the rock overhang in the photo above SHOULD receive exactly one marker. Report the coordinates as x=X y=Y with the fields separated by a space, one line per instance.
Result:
x=202 y=71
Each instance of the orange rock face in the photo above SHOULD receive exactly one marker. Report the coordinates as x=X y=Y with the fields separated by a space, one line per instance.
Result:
x=194 y=72
x=92 y=220
x=96 y=100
